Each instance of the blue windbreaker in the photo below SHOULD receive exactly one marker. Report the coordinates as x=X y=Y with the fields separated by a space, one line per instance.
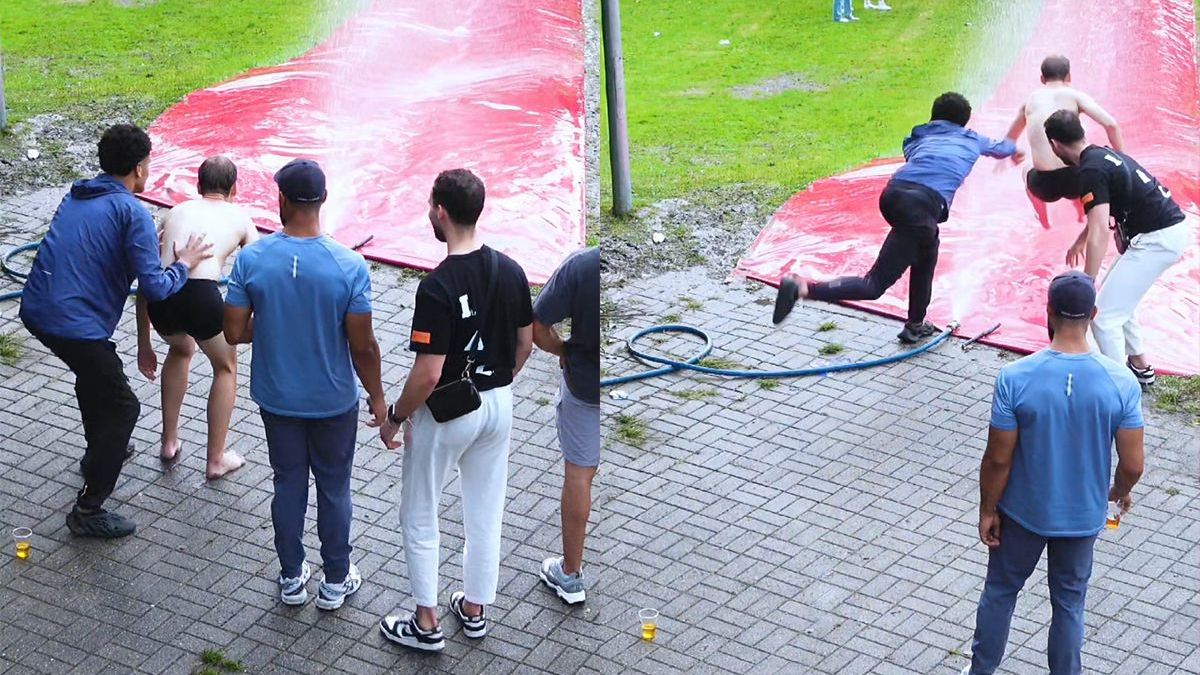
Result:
x=940 y=154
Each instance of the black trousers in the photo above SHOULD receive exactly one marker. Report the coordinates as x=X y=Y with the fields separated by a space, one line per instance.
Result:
x=914 y=212
x=108 y=407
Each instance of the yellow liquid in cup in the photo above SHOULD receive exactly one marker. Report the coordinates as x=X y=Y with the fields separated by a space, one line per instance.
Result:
x=1112 y=523
x=648 y=630
x=23 y=550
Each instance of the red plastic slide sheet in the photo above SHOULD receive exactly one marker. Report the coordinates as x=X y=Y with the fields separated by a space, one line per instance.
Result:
x=1138 y=60
x=403 y=90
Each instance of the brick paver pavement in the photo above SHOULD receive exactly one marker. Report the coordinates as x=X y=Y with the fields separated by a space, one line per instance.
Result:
x=828 y=525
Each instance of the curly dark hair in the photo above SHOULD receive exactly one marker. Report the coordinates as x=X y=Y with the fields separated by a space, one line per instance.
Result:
x=461 y=193
x=952 y=107
x=123 y=147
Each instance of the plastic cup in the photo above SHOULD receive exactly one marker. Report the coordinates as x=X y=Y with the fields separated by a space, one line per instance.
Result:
x=23 y=538
x=649 y=620
x=1114 y=516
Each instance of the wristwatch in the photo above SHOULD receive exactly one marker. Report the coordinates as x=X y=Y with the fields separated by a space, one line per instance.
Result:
x=391 y=415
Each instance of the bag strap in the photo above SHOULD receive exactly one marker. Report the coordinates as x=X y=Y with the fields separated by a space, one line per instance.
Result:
x=482 y=314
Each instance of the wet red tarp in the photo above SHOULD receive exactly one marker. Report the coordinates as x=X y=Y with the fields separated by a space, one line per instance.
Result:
x=1138 y=60
x=401 y=91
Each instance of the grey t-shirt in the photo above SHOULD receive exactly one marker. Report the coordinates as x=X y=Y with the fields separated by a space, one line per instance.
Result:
x=574 y=292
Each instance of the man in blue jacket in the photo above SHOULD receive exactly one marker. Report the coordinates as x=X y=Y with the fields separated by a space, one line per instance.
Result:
x=938 y=155
x=100 y=240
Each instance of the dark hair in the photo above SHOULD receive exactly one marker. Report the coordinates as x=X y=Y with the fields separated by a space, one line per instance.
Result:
x=217 y=174
x=1064 y=126
x=1056 y=68
x=461 y=193
x=952 y=107
x=122 y=148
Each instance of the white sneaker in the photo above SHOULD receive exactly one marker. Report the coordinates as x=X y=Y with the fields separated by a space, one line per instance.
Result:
x=406 y=632
x=882 y=6
x=331 y=596
x=291 y=589
x=842 y=19
x=473 y=627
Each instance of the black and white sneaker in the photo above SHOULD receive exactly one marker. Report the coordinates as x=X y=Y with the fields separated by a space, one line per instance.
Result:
x=1145 y=376
x=473 y=627
x=912 y=334
x=409 y=634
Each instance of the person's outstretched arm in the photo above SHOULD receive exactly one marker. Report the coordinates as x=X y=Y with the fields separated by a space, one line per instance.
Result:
x=1089 y=107
x=1018 y=125
x=1001 y=149
x=142 y=255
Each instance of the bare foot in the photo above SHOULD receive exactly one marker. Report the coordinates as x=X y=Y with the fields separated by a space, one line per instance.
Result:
x=170 y=451
x=229 y=462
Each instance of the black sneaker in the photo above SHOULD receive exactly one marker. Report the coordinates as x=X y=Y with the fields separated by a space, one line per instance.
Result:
x=911 y=334
x=130 y=451
x=1145 y=376
x=473 y=627
x=101 y=524
x=785 y=298
x=409 y=634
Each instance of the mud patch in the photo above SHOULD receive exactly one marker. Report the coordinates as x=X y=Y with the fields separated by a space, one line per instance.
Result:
x=774 y=86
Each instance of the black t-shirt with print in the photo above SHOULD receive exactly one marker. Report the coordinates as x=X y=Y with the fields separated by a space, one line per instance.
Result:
x=446 y=317
x=1137 y=200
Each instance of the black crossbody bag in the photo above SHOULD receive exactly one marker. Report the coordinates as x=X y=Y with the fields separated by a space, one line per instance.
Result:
x=461 y=397
x=1121 y=236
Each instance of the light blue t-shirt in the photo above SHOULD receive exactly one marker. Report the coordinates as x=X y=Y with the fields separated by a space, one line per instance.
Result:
x=1066 y=409
x=300 y=290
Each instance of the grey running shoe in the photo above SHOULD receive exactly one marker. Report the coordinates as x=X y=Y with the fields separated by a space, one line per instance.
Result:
x=473 y=627
x=291 y=589
x=101 y=524
x=1145 y=376
x=911 y=334
x=406 y=632
x=569 y=587
x=331 y=596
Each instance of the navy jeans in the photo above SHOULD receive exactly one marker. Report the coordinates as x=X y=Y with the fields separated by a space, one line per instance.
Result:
x=326 y=447
x=1068 y=570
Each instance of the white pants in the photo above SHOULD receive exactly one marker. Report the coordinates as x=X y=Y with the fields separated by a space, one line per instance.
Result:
x=477 y=444
x=1133 y=273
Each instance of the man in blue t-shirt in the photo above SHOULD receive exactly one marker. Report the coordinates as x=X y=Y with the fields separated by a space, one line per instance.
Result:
x=938 y=157
x=304 y=302
x=1044 y=482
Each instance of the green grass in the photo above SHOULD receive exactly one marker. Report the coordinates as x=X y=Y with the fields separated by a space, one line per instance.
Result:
x=691 y=303
x=719 y=363
x=670 y=318
x=695 y=394
x=769 y=384
x=68 y=57
x=631 y=430
x=827 y=326
x=11 y=348
x=831 y=349
x=861 y=88
x=214 y=662
x=1178 y=395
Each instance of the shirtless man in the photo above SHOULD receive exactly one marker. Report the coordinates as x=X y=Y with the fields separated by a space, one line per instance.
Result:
x=1048 y=179
x=194 y=315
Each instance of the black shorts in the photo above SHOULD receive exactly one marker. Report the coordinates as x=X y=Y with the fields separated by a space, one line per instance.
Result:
x=197 y=309
x=1051 y=186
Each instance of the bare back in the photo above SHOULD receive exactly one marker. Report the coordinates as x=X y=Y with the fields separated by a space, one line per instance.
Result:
x=226 y=226
x=1043 y=103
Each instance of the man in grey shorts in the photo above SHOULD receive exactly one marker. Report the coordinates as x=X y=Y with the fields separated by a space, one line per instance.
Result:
x=573 y=292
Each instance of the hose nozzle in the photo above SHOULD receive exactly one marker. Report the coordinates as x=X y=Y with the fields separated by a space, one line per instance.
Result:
x=953 y=326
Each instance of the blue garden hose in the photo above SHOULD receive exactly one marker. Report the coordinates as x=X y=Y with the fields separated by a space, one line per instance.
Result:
x=671 y=365
x=20 y=277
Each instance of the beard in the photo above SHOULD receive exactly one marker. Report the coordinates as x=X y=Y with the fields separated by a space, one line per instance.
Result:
x=437 y=232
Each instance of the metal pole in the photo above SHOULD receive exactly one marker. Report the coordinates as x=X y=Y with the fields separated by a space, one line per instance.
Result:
x=618 y=132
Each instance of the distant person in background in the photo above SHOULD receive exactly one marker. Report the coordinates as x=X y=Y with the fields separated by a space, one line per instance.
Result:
x=881 y=5
x=1048 y=179
x=1044 y=482
x=938 y=157
x=843 y=11
x=304 y=301
x=100 y=240
x=573 y=293
x=1151 y=236
x=194 y=315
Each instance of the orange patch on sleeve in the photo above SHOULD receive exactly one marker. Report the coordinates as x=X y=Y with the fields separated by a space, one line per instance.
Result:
x=420 y=337
x=1088 y=198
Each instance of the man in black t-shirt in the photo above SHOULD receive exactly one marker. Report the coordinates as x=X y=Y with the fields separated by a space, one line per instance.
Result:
x=456 y=331
x=1150 y=232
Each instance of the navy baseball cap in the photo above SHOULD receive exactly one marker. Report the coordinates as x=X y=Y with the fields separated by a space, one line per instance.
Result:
x=301 y=180
x=1073 y=295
